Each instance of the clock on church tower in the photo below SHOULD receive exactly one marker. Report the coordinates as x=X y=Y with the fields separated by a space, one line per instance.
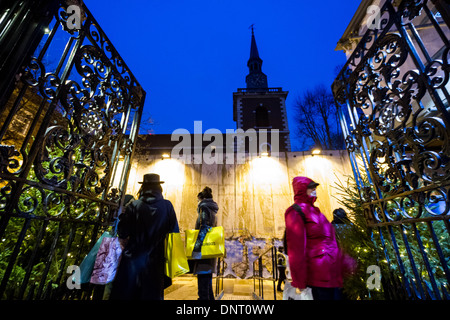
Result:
x=259 y=107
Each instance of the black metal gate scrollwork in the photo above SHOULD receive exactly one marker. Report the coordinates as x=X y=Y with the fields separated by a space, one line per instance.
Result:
x=69 y=115
x=393 y=100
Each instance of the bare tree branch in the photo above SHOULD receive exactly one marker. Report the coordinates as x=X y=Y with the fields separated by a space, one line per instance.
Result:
x=317 y=119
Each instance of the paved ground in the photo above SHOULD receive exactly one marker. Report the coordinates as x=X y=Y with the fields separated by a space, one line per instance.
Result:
x=185 y=288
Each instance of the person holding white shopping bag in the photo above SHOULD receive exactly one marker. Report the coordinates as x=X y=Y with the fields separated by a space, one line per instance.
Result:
x=315 y=259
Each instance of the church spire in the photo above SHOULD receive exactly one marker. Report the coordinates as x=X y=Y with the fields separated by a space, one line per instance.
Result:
x=256 y=79
x=253 y=48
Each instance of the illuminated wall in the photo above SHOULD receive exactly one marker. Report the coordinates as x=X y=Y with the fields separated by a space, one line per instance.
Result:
x=252 y=196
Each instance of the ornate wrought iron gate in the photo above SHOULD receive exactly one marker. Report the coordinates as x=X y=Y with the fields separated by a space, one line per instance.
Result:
x=70 y=110
x=393 y=99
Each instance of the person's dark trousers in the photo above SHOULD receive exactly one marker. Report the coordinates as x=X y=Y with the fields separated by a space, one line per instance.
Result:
x=205 y=291
x=320 y=293
x=281 y=277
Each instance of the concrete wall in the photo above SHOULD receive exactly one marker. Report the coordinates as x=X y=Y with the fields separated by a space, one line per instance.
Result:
x=252 y=196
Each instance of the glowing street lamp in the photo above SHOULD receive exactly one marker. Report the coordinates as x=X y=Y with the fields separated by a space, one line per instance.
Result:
x=315 y=151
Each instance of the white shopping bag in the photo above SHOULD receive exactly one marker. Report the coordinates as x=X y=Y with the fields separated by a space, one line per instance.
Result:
x=292 y=293
x=288 y=269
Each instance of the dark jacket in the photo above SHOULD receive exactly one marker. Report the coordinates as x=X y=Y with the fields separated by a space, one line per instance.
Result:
x=146 y=222
x=207 y=210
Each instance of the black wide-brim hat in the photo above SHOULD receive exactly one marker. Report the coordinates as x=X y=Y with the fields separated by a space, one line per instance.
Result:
x=151 y=178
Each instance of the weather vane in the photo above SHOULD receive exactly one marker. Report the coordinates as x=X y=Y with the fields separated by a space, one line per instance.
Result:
x=251 y=26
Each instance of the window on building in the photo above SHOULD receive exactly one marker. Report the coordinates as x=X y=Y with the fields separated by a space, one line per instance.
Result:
x=262 y=117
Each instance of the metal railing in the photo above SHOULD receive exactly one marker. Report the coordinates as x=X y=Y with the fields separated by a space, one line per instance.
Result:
x=392 y=97
x=70 y=110
x=258 y=276
x=253 y=90
x=219 y=278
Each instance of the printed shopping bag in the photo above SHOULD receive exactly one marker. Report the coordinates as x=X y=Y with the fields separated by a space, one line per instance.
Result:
x=176 y=261
x=291 y=293
x=107 y=261
x=212 y=246
x=87 y=265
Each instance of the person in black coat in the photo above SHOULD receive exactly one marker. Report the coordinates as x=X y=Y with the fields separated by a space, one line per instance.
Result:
x=281 y=265
x=204 y=268
x=144 y=226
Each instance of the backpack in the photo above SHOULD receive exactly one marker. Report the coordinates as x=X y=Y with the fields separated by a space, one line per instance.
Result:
x=297 y=208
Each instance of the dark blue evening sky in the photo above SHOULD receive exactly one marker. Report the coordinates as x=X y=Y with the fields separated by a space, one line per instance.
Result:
x=190 y=56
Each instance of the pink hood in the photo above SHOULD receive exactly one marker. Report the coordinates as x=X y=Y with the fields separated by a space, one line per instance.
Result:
x=300 y=184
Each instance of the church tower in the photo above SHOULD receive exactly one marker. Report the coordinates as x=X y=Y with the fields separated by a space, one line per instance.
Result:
x=259 y=107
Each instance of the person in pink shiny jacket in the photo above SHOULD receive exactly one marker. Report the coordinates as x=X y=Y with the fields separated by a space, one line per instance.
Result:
x=315 y=259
